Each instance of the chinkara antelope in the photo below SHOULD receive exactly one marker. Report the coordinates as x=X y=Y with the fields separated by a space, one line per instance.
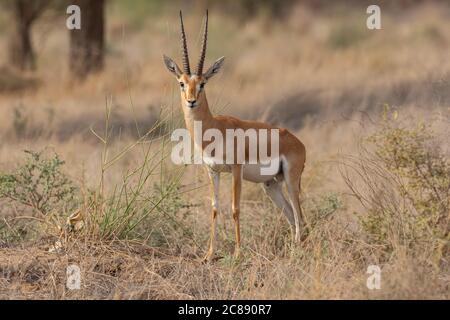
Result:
x=291 y=155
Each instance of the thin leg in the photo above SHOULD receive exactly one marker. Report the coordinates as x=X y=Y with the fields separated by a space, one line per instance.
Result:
x=275 y=192
x=237 y=186
x=215 y=183
x=294 y=191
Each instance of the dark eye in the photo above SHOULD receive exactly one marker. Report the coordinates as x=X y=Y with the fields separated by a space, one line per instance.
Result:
x=202 y=85
x=182 y=84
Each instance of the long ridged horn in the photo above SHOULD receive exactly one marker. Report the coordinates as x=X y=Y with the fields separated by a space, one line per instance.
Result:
x=184 y=48
x=203 y=52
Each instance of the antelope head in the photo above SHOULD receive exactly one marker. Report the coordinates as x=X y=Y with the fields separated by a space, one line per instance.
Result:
x=192 y=84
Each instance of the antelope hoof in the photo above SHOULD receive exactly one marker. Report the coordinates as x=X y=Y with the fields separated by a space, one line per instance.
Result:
x=300 y=236
x=208 y=257
x=237 y=253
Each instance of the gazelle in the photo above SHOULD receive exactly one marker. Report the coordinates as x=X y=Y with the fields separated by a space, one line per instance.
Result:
x=292 y=153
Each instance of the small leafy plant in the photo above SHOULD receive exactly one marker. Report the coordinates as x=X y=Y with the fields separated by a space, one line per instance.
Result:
x=402 y=179
x=321 y=207
x=39 y=183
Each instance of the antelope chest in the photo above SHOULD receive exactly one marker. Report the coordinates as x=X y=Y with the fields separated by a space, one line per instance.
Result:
x=216 y=165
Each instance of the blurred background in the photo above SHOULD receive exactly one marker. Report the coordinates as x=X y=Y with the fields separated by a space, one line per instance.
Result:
x=296 y=63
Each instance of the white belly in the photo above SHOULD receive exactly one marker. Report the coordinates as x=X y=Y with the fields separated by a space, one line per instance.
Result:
x=255 y=173
x=251 y=172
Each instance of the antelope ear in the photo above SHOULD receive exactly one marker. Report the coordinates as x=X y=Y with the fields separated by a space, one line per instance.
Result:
x=172 y=66
x=214 y=69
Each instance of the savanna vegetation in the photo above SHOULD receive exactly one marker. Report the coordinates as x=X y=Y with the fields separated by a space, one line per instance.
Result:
x=86 y=176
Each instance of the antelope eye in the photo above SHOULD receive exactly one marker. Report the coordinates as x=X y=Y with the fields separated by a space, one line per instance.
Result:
x=202 y=85
x=182 y=84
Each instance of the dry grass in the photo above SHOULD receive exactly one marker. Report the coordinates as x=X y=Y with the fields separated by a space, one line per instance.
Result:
x=320 y=73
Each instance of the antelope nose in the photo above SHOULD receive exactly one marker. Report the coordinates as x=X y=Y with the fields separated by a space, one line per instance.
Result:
x=192 y=102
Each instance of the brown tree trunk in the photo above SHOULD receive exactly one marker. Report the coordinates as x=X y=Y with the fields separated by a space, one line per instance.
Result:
x=25 y=12
x=87 y=44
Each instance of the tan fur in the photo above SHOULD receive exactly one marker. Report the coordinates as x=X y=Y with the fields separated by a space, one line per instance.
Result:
x=291 y=151
x=291 y=148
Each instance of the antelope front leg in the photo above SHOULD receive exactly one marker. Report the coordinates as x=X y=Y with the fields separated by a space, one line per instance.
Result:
x=235 y=206
x=215 y=182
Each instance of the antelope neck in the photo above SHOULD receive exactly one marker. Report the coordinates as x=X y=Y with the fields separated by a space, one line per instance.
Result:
x=199 y=113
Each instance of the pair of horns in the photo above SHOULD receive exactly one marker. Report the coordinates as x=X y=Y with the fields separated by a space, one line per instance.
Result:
x=201 y=61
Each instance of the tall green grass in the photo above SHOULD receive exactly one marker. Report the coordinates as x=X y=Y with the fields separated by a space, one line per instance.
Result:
x=144 y=190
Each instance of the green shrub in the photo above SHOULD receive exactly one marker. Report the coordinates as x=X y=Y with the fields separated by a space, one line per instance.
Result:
x=403 y=181
x=410 y=154
x=321 y=207
x=345 y=36
x=39 y=183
